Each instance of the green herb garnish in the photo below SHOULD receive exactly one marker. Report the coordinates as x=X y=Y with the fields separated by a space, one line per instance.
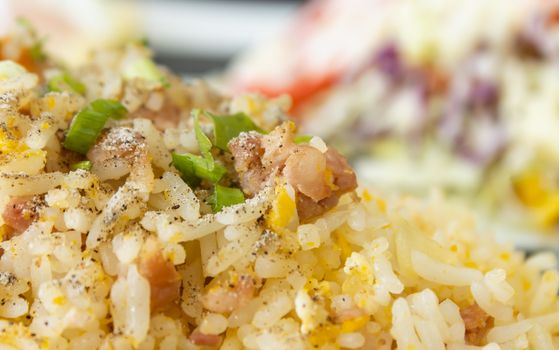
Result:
x=196 y=167
x=204 y=143
x=224 y=197
x=64 y=82
x=36 y=50
x=84 y=165
x=227 y=127
x=193 y=168
x=144 y=68
x=143 y=41
x=299 y=139
x=89 y=122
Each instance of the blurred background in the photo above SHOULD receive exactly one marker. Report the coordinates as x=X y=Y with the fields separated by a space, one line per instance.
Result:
x=456 y=97
x=191 y=37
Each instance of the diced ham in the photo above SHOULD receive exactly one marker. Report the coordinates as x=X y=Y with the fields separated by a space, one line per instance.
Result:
x=477 y=323
x=305 y=169
x=120 y=151
x=19 y=213
x=278 y=146
x=201 y=339
x=344 y=177
x=308 y=209
x=226 y=298
x=247 y=150
x=318 y=178
x=161 y=274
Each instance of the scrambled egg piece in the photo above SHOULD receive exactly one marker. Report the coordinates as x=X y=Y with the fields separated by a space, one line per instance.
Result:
x=540 y=198
x=15 y=155
x=310 y=305
x=284 y=210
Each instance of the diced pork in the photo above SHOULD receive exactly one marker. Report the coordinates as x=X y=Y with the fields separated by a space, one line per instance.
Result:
x=201 y=339
x=477 y=323
x=318 y=178
x=226 y=298
x=120 y=151
x=247 y=150
x=278 y=146
x=305 y=169
x=19 y=213
x=161 y=274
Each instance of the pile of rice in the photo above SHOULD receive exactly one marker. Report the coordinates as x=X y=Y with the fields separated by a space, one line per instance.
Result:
x=370 y=273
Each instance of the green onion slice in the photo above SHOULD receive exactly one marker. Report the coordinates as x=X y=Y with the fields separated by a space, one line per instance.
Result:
x=144 y=68
x=224 y=197
x=64 y=82
x=227 y=127
x=89 y=122
x=299 y=139
x=193 y=168
x=84 y=165
x=204 y=142
x=37 y=52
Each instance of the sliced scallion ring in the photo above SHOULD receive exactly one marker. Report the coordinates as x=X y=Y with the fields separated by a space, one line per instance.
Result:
x=193 y=168
x=89 y=122
x=204 y=143
x=227 y=127
x=64 y=82
x=144 y=68
x=299 y=139
x=224 y=197
x=84 y=165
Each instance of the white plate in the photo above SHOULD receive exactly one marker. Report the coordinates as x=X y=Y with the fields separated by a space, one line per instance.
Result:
x=211 y=28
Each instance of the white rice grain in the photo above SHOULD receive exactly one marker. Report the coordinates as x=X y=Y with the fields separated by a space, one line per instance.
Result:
x=501 y=334
x=233 y=251
x=441 y=273
x=540 y=339
x=350 y=340
x=403 y=325
x=273 y=311
x=213 y=323
x=483 y=298
x=542 y=261
x=495 y=280
x=138 y=303
x=546 y=292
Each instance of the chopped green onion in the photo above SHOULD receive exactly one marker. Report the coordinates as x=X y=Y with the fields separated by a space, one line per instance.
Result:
x=204 y=142
x=89 y=122
x=64 y=81
x=143 y=41
x=185 y=166
x=144 y=68
x=224 y=197
x=227 y=127
x=299 y=139
x=25 y=23
x=84 y=165
x=193 y=168
x=36 y=51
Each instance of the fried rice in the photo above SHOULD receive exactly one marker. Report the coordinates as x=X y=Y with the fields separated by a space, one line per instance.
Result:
x=187 y=219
